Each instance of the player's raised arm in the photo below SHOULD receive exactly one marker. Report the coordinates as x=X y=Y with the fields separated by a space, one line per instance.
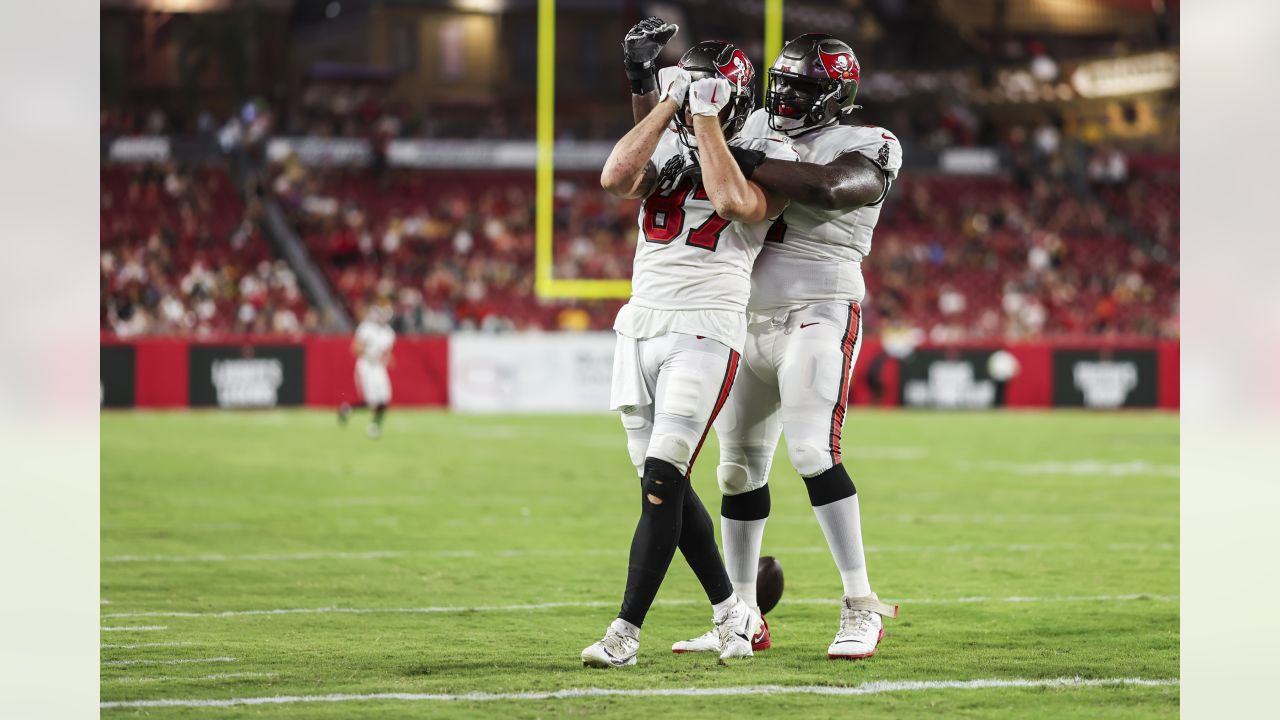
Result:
x=733 y=196
x=628 y=172
x=640 y=49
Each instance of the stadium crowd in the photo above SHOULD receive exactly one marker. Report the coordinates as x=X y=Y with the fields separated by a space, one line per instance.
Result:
x=1072 y=240
x=182 y=254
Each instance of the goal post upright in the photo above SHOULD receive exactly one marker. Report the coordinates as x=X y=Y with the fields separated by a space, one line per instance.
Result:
x=545 y=283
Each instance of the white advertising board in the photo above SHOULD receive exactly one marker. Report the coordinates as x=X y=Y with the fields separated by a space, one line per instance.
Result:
x=530 y=372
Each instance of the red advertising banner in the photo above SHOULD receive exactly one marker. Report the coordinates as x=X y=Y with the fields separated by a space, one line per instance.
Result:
x=260 y=371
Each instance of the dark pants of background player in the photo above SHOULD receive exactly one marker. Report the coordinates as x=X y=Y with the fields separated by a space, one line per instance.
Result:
x=379 y=411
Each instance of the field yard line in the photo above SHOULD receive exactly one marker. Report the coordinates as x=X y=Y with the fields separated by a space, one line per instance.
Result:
x=871 y=688
x=117 y=646
x=134 y=628
x=175 y=661
x=612 y=603
x=554 y=552
x=169 y=678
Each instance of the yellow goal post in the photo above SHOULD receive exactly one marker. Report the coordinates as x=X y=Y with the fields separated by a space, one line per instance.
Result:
x=545 y=282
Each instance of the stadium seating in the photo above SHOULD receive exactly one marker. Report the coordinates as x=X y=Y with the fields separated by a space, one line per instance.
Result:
x=456 y=250
x=957 y=257
x=954 y=257
x=181 y=254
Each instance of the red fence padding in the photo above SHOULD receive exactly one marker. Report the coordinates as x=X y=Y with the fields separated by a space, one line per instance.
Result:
x=419 y=371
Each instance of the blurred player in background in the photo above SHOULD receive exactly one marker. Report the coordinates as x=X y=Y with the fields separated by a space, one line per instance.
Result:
x=372 y=348
x=681 y=334
x=804 y=319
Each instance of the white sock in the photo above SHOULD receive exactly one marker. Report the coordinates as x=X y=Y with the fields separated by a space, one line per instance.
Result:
x=625 y=628
x=842 y=525
x=721 y=608
x=742 y=540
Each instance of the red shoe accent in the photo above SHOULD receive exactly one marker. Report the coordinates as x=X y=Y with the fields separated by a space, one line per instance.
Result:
x=762 y=640
x=858 y=657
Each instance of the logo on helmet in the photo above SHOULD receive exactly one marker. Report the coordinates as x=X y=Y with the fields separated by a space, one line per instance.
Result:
x=738 y=69
x=839 y=66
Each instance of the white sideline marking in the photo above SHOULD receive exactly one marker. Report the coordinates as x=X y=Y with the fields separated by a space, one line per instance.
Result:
x=612 y=603
x=871 y=688
x=176 y=661
x=215 y=557
x=557 y=552
x=172 y=678
x=118 y=646
x=134 y=628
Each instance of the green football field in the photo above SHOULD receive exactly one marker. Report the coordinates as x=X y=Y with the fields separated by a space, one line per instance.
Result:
x=273 y=564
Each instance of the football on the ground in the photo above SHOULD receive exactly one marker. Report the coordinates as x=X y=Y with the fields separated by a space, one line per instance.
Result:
x=768 y=584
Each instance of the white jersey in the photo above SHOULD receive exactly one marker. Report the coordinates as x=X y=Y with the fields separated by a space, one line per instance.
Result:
x=692 y=268
x=819 y=254
x=375 y=340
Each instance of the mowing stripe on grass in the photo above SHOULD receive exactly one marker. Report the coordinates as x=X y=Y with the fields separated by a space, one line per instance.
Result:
x=134 y=628
x=176 y=678
x=559 y=552
x=611 y=603
x=174 y=661
x=871 y=688
x=117 y=646
x=264 y=557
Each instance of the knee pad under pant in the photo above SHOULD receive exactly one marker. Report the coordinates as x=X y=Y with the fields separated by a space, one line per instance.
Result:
x=809 y=458
x=743 y=468
x=639 y=428
x=673 y=448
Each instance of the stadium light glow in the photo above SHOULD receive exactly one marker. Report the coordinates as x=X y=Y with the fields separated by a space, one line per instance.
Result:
x=491 y=7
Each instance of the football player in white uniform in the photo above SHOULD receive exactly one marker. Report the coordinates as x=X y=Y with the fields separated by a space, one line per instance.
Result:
x=805 y=324
x=681 y=334
x=372 y=348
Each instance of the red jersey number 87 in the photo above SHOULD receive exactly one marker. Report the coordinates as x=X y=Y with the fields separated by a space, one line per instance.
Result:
x=664 y=220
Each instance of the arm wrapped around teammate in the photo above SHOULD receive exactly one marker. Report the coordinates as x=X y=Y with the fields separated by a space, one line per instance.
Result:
x=748 y=160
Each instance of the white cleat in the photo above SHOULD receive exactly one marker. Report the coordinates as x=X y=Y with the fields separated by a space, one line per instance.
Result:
x=736 y=628
x=861 y=627
x=710 y=640
x=706 y=642
x=615 y=649
x=374 y=430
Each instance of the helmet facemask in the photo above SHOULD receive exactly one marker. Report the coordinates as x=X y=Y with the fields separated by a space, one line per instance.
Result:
x=796 y=103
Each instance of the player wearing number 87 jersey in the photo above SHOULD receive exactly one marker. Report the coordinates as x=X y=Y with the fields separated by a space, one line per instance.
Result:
x=702 y=225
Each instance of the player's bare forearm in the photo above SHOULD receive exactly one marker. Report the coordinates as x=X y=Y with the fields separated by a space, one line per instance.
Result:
x=846 y=183
x=642 y=105
x=357 y=348
x=732 y=195
x=624 y=173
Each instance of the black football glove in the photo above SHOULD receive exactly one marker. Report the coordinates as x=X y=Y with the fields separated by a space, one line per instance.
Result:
x=680 y=169
x=640 y=50
x=748 y=160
